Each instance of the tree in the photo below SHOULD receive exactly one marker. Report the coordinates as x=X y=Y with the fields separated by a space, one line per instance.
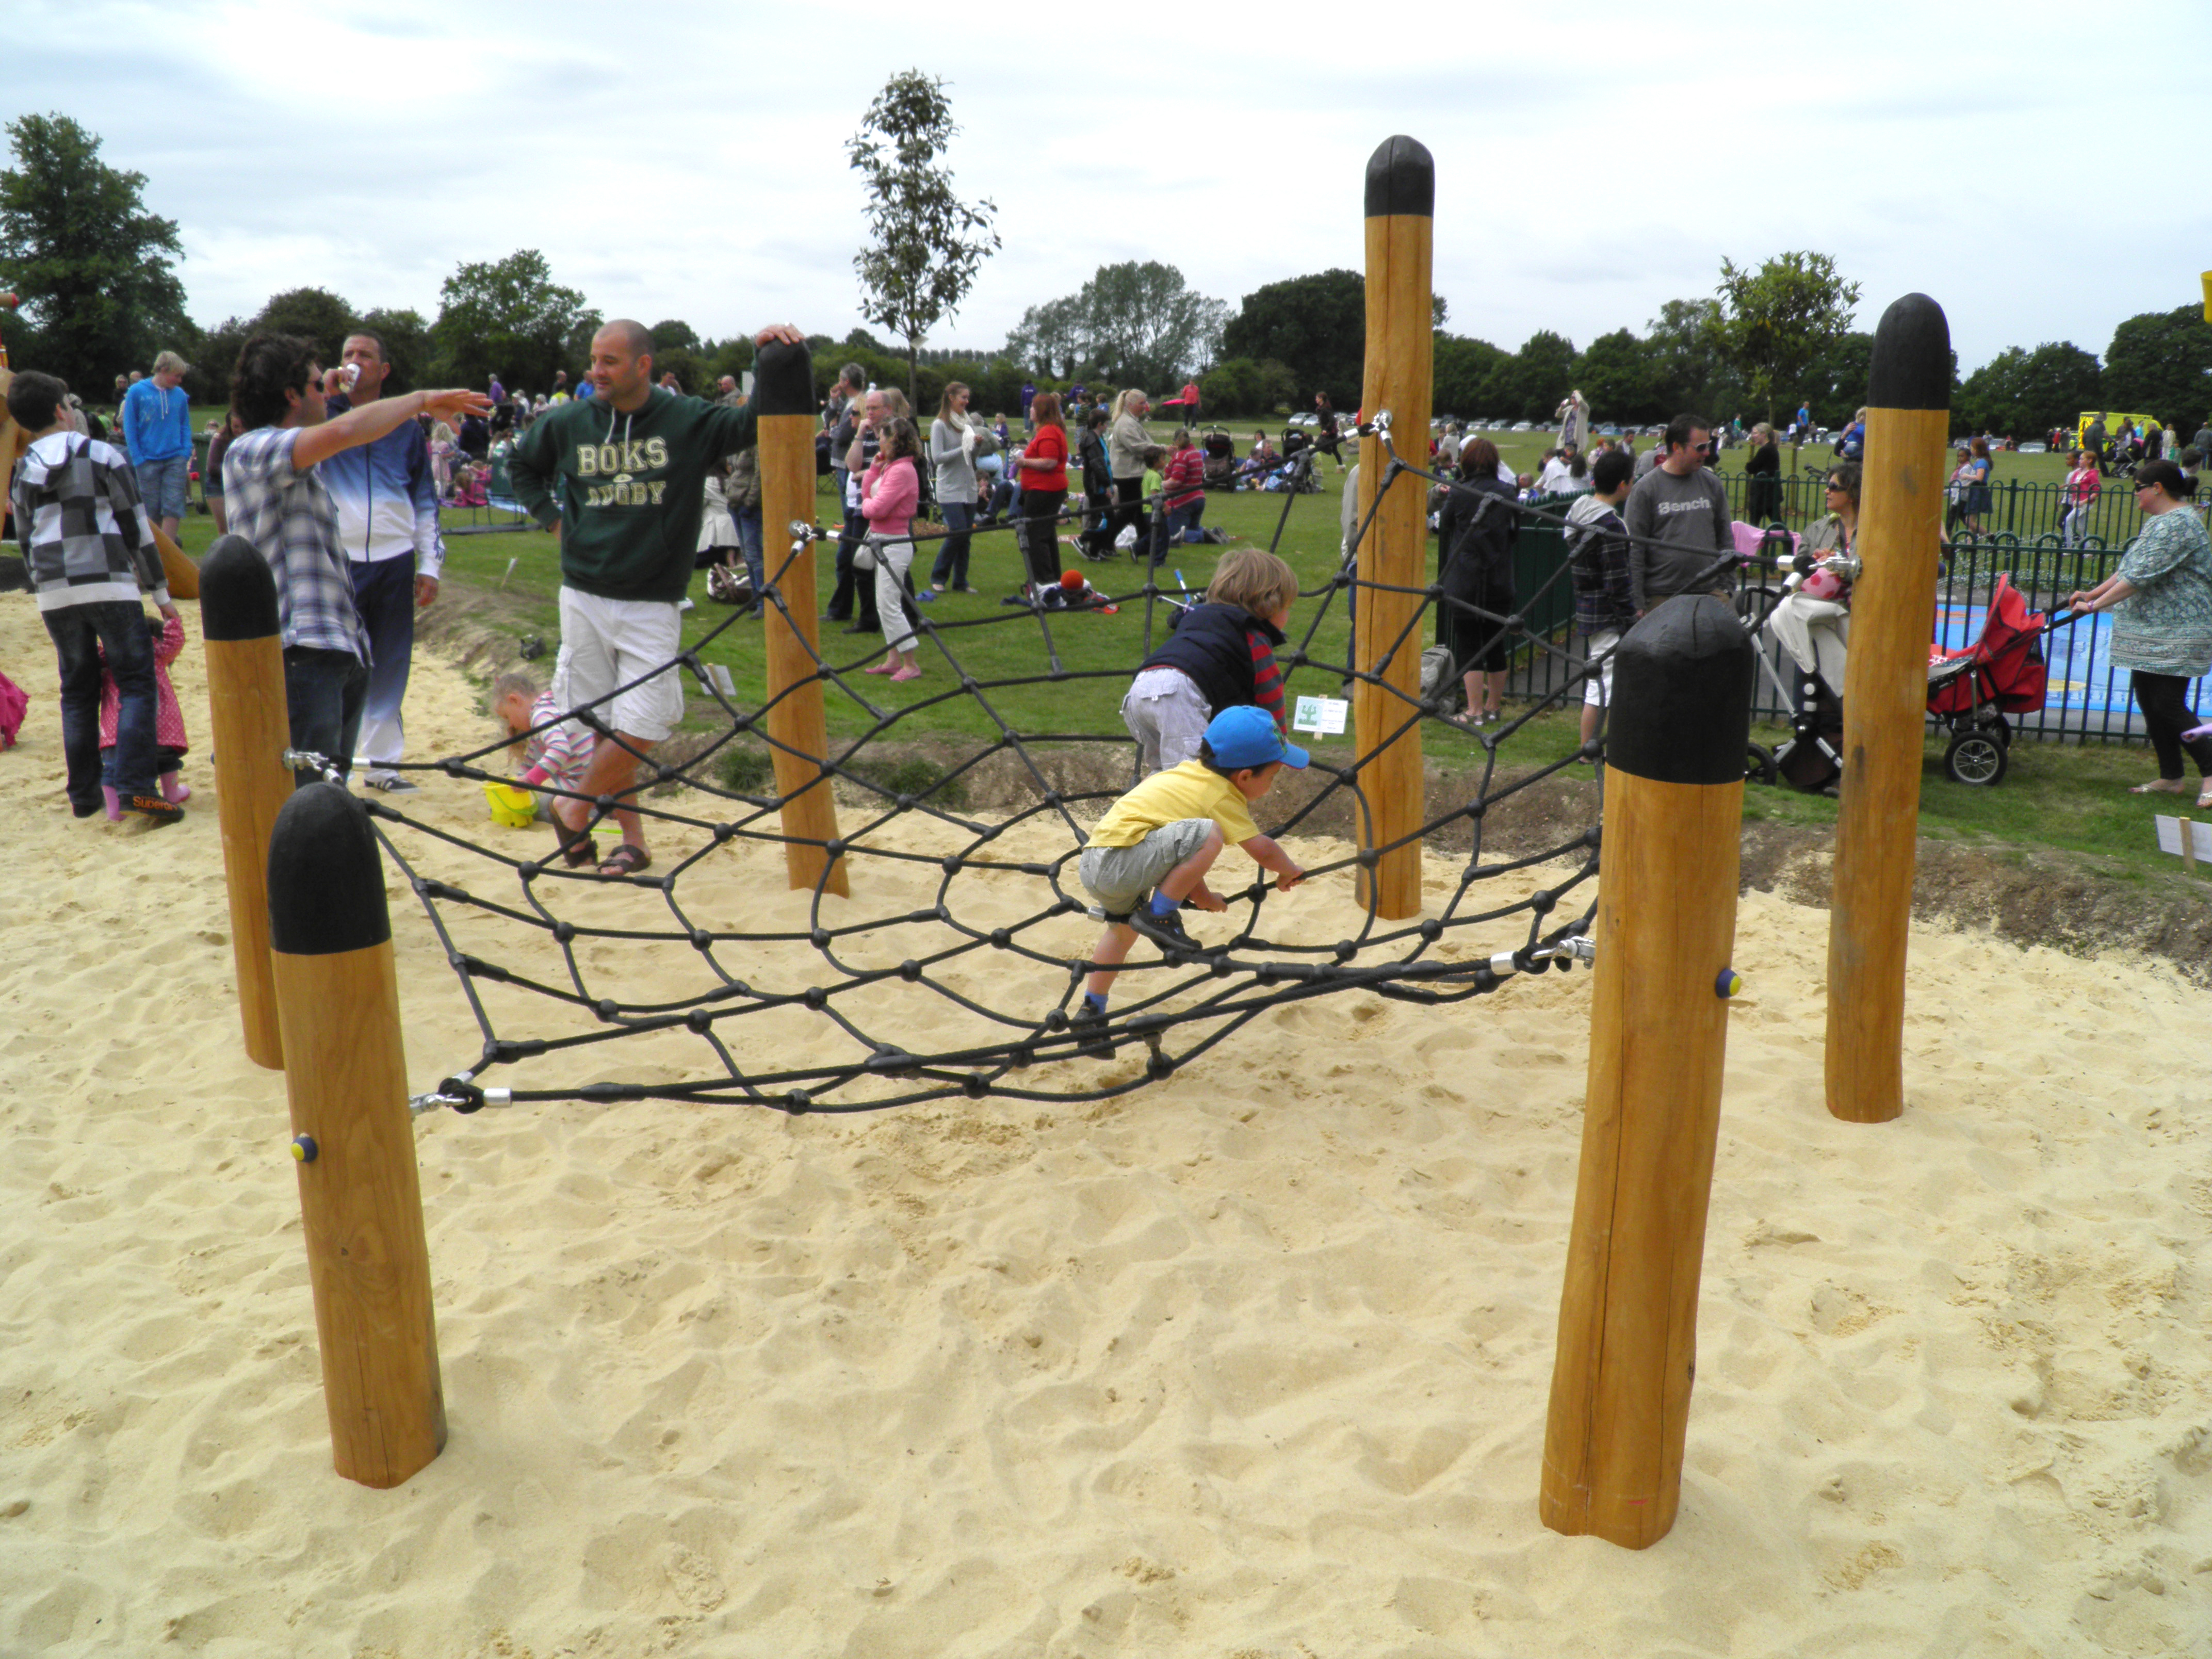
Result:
x=1834 y=387
x=1048 y=338
x=1619 y=374
x=1139 y=323
x=1691 y=377
x=925 y=245
x=2160 y=363
x=1238 y=387
x=1463 y=367
x=92 y=265
x=1774 y=321
x=407 y=346
x=1532 y=382
x=508 y=317
x=1315 y=326
x=314 y=314
x=2025 y=394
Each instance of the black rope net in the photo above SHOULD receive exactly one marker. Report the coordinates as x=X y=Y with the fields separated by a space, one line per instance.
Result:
x=786 y=999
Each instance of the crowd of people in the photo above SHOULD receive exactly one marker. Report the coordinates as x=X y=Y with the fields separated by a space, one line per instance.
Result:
x=340 y=483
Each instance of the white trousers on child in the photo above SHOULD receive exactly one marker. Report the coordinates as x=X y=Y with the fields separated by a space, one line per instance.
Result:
x=892 y=560
x=1167 y=716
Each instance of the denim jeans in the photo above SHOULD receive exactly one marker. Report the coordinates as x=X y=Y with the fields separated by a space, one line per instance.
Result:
x=80 y=634
x=384 y=593
x=748 y=521
x=952 y=552
x=324 y=692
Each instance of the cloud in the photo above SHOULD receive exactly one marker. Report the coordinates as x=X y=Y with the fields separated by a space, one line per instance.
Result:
x=687 y=160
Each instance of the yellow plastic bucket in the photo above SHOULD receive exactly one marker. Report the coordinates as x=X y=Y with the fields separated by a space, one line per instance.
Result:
x=515 y=808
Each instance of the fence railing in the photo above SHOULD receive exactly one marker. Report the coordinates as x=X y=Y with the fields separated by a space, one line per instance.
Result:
x=2025 y=511
x=2087 y=700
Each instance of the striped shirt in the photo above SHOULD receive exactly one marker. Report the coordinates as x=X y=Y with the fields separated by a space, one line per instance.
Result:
x=291 y=521
x=82 y=526
x=557 y=754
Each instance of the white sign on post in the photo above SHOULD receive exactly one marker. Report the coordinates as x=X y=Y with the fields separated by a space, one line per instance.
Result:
x=2200 y=840
x=1323 y=716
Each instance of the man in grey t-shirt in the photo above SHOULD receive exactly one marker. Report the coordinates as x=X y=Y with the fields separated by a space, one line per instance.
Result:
x=1679 y=521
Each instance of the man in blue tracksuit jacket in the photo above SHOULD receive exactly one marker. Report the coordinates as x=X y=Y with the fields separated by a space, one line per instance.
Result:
x=388 y=504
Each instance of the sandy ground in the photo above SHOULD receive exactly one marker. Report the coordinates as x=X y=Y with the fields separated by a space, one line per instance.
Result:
x=1251 y=1363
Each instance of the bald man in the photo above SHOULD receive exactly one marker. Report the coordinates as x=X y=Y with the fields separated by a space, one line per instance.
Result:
x=620 y=478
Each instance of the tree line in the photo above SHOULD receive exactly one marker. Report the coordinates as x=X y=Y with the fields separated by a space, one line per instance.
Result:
x=101 y=295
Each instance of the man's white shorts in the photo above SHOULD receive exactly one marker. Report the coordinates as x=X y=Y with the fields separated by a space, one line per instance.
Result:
x=606 y=643
x=1597 y=689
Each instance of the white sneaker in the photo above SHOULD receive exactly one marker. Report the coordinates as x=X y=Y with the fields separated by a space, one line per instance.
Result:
x=390 y=782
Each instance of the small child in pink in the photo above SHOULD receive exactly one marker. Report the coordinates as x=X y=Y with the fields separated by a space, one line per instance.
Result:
x=169 y=742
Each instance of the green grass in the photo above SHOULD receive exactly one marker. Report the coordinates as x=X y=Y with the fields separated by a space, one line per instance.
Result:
x=2069 y=798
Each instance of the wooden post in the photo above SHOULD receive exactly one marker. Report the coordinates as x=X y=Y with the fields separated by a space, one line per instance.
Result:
x=1666 y=925
x=1885 y=709
x=177 y=568
x=798 y=726
x=359 y=1192
x=1401 y=367
x=249 y=728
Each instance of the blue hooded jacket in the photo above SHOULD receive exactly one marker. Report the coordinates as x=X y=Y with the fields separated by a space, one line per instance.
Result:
x=386 y=498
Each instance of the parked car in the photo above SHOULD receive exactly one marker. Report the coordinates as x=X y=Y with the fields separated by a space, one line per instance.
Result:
x=1608 y=430
x=1522 y=426
x=2035 y=448
x=1308 y=418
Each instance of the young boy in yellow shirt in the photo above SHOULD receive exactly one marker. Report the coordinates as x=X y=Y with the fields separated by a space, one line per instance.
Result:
x=1161 y=838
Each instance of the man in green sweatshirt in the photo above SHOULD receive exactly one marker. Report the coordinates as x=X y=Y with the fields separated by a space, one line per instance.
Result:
x=620 y=477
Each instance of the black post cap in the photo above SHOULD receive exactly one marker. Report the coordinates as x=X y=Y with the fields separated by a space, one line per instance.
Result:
x=783 y=380
x=1401 y=178
x=1911 y=356
x=326 y=876
x=238 y=591
x=1682 y=694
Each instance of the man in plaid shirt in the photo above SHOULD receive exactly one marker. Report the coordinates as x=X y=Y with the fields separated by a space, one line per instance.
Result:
x=277 y=502
x=91 y=553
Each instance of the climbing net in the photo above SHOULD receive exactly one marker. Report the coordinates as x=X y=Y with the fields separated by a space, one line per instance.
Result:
x=809 y=1002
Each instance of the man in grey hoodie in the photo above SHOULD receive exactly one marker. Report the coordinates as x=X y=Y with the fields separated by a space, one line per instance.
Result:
x=1679 y=521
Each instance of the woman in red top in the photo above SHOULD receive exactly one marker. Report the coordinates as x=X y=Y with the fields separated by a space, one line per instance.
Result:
x=1043 y=473
x=1184 y=485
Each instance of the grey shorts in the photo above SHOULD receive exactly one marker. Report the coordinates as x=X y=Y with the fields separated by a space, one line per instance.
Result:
x=1120 y=878
x=1167 y=716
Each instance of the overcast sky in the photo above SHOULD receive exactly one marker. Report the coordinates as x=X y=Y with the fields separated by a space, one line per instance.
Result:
x=2042 y=171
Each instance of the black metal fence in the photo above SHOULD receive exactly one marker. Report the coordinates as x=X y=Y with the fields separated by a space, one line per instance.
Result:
x=2026 y=511
x=2087 y=701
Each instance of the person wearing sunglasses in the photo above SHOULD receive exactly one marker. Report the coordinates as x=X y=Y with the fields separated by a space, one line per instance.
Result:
x=2160 y=599
x=1678 y=522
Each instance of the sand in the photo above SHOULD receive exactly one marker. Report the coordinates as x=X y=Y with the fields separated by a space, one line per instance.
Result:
x=1254 y=1362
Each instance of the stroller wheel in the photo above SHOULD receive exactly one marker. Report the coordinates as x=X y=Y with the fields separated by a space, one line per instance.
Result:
x=1976 y=758
x=1759 y=765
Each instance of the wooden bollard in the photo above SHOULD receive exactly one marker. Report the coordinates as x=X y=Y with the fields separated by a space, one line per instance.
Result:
x=1399 y=374
x=1886 y=707
x=798 y=726
x=361 y=1195
x=249 y=730
x=1666 y=924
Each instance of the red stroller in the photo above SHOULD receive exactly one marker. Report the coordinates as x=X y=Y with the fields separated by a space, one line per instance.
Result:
x=1973 y=689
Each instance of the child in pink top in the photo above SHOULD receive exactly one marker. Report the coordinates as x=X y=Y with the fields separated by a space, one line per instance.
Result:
x=2083 y=485
x=169 y=743
x=890 y=489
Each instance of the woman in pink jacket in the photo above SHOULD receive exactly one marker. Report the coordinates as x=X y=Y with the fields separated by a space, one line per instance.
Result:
x=890 y=489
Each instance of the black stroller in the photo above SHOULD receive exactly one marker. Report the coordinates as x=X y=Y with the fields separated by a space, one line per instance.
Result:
x=1220 y=451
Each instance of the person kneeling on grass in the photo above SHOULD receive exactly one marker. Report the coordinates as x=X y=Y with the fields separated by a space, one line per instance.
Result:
x=1154 y=845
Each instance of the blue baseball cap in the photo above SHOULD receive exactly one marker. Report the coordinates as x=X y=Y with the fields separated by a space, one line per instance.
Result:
x=1245 y=736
